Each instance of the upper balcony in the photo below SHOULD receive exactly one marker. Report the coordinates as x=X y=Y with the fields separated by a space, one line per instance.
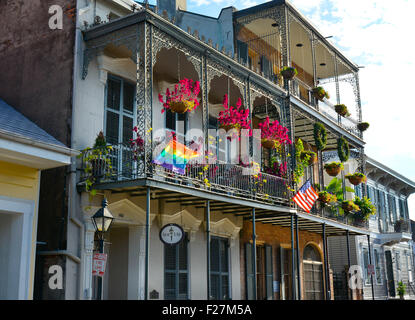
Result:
x=272 y=35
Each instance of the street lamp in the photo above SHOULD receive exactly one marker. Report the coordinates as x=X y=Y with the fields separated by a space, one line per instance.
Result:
x=102 y=220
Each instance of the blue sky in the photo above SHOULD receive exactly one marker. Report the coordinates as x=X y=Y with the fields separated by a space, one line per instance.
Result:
x=374 y=34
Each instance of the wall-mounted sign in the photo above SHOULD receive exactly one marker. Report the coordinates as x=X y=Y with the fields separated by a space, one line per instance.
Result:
x=171 y=234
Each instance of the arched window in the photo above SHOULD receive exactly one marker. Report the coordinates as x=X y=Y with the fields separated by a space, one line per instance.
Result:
x=313 y=274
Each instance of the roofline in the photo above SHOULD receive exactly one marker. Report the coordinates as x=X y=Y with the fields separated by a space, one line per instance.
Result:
x=42 y=145
x=390 y=171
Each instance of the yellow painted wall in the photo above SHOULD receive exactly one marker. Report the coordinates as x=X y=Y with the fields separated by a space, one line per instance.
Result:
x=22 y=182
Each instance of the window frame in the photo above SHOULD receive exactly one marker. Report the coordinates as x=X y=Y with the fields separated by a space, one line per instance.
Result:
x=365 y=250
x=378 y=266
x=220 y=273
x=121 y=113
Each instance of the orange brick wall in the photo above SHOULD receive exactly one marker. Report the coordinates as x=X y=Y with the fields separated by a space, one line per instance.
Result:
x=275 y=236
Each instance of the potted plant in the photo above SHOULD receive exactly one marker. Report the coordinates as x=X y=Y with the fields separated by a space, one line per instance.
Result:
x=311 y=156
x=326 y=197
x=366 y=208
x=234 y=118
x=276 y=168
x=356 y=178
x=273 y=135
x=333 y=168
x=363 y=126
x=401 y=290
x=96 y=162
x=349 y=206
x=342 y=110
x=319 y=93
x=288 y=72
x=183 y=98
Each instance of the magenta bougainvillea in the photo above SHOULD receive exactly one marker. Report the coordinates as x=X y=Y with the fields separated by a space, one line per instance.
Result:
x=277 y=169
x=235 y=117
x=274 y=131
x=186 y=90
x=137 y=145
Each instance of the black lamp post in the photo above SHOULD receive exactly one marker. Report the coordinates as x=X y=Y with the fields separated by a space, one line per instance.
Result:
x=102 y=220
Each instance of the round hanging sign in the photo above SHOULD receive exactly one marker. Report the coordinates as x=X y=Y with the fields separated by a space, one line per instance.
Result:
x=171 y=234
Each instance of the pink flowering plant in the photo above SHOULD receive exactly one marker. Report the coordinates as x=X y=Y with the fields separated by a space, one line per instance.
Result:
x=234 y=117
x=137 y=145
x=183 y=98
x=274 y=132
x=277 y=169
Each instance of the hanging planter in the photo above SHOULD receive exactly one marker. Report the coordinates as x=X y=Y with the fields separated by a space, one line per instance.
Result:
x=312 y=156
x=234 y=118
x=183 y=98
x=319 y=93
x=342 y=110
x=288 y=73
x=326 y=197
x=273 y=134
x=320 y=136
x=333 y=168
x=343 y=149
x=356 y=178
x=363 y=126
x=349 y=206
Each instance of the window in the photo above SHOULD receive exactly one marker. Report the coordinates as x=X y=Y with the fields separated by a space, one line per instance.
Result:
x=242 y=52
x=392 y=207
x=409 y=266
x=398 y=264
x=378 y=270
x=120 y=110
x=365 y=254
x=219 y=269
x=176 y=271
x=178 y=123
x=313 y=274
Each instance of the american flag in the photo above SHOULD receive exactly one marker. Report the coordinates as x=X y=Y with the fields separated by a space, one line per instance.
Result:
x=306 y=196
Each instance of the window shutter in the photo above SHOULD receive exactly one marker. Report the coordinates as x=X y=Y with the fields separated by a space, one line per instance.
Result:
x=242 y=52
x=249 y=272
x=268 y=272
x=265 y=66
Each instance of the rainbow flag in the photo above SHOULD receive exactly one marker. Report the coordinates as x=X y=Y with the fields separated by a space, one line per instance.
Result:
x=175 y=157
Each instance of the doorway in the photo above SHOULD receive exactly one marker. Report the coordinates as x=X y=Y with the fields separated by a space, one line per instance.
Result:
x=287 y=292
x=313 y=274
x=389 y=273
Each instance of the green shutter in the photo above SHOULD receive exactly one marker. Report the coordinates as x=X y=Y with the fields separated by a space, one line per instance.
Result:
x=249 y=272
x=268 y=272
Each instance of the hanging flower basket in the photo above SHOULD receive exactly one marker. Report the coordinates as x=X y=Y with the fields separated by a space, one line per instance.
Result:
x=183 y=98
x=288 y=73
x=319 y=93
x=326 y=197
x=349 y=206
x=333 y=168
x=312 y=159
x=273 y=134
x=363 y=126
x=342 y=110
x=234 y=118
x=356 y=178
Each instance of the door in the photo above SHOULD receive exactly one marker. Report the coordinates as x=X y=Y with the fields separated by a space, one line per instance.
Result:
x=389 y=273
x=313 y=274
x=286 y=291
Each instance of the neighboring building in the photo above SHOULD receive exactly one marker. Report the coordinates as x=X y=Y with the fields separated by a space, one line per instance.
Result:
x=391 y=250
x=25 y=151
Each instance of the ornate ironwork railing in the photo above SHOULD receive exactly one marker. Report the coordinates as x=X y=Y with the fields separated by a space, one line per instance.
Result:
x=224 y=178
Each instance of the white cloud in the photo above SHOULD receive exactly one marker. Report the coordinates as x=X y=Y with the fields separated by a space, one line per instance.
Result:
x=377 y=34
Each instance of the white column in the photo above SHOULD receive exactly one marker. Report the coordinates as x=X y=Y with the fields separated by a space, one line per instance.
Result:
x=136 y=252
x=88 y=255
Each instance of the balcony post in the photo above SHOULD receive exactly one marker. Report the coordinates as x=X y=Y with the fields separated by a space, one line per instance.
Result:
x=326 y=269
x=370 y=262
x=147 y=256
x=254 y=252
x=297 y=247
x=208 y=248
x=293 y=277
x=348 y=262
x=313 y=61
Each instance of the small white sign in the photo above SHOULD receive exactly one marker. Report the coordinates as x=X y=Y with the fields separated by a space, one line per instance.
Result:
x=171 y=234
x=98 y=264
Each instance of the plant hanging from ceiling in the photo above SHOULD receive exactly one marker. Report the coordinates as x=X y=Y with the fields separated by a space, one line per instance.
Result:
x=342 y=110
x=184 y=97
x=319 y=93
x=234 y=117
x=288 y=73
x=363 y=126
x=343 y=149
x=273 y=135
x=320 y=136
